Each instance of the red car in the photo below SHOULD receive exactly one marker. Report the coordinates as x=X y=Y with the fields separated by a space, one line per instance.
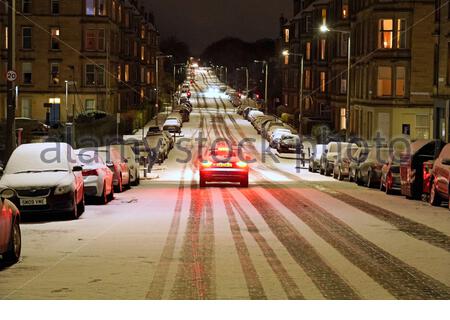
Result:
x=224 y=164
x=440 y=178
x=10 y=237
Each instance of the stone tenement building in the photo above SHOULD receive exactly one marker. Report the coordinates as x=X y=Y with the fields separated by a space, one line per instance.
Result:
x=103 y=50
x=391 y=76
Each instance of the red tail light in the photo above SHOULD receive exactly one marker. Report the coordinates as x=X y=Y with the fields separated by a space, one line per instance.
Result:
x=87 y=173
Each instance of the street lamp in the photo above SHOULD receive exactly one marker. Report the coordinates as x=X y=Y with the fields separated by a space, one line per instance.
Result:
x=157 y=82
x=324 y=29
x=266 y=64
x=302 y=63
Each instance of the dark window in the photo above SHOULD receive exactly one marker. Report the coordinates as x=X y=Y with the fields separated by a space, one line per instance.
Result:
x=55 y=6
x=26 y=6
x=26 y=37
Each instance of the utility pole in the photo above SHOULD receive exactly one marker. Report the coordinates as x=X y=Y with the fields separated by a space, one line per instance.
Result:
x=10 y=134
x=266 y=97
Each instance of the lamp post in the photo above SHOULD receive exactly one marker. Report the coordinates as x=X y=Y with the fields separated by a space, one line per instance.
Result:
x=157 y=82
x=324 y=29
x=302 y=63
x=266 y=64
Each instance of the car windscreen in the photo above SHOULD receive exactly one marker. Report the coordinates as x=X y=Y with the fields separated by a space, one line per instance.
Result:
x=38 y=159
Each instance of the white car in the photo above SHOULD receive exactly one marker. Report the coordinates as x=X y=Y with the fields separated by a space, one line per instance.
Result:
x=98 y=178
x=128 y=153
x=276 y=136
x=333 y=153
x=252 y=115
x=46 y=178
x=172 y=125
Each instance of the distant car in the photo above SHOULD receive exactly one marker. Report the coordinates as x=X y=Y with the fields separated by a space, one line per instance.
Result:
x=156 y=147
x=290 y=143
x=98 y=178
x=341 y=169
x=153 y=129
x=127 y=153
x=331 y=155
x=369 y=171
x=223 y=164
x=272 y=128
x=440 y=179
x=46 y=178
x=247 y=111
x=314 y=160
x=184 y=112
x=172 y=125
x=276 y=136
x=117 y=164
x=252 y=115
x=262 y=121
x=10 y=235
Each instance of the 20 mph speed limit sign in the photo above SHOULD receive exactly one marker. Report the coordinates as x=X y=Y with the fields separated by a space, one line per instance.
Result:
x=11 y=75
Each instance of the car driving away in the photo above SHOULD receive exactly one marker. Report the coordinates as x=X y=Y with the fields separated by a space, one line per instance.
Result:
x=224 y=164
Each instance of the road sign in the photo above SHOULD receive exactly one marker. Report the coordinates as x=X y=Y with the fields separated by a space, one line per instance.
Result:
x=11 y=76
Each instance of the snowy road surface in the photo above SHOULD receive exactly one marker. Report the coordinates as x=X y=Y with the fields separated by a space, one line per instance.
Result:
x=289 y=235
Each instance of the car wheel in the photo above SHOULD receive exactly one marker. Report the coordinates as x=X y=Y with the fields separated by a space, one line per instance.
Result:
x=334 y=174
x=111 y=194
x=382 y=188
x=15 y=244
x=435 y=199
x=81 y=207
x=369 y=179
x=103 y=199
x=340 y=176
x=321 y=171
x=138 y=177
x=74 y=213
x=358 y=179
x=119 y=187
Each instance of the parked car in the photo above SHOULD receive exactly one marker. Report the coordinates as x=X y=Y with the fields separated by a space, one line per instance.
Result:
x=184 y=112
x=341 y=169
x=359 y=157
x=275 y=138
x=175 y=116
x=262 y=121
x=289 y=143
x=157 y=147
x=369 y=171
x=169 y=139
x=269 y=128
x=172 y=125
x=46 y=178
x=117 y=164
x=187 y=105
x=411 y=166
x=252 y=115
x=440 y=179
x=127 y=153
x=314 y=160
x=98 y=178
x=153 y=129
x=240 y=109
x=333 y=152
x=390 y=174
x=10 y=235
x=247 y=110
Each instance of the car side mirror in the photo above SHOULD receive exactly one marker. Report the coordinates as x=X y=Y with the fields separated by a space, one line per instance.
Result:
x=446 y=162
x=77 y=168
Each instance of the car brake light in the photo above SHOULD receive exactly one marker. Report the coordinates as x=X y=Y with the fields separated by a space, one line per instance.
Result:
x=90 y=173
x=223 y=149
x=206 y=164
x=241 y=164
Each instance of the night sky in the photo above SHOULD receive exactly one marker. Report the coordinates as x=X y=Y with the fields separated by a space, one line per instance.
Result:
x=201 y=22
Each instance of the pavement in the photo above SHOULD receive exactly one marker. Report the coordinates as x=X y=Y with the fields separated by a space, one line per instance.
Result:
x=291 y=235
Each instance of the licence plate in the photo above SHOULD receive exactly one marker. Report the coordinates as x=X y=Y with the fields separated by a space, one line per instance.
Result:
x=223 y=165
x=33 y=202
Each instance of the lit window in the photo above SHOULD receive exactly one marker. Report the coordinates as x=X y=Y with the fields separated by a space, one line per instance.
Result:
x=148 y=77
x=101 y=7
x=386 y=30
x=119 y=72
x=142 y=32
x=323 y=48
x=27 y=72
x=400 y=79
x=343 y=88
x=113 y=10
x=286 y=35
x=344 y=9
x=90 y=7
x=54 y=73
x=54 y=100
x=343 y=119
x=26 y=108
x=307 y=79
x=384 y=82
x=142 y=74
x=89 y=105
x=127 y=72
x=6 y=38
x=323 y=82
x=142 y=95
x=286 y=59
x=142 y=53
x=55 y=33
x=308 y=51
x=324 y=16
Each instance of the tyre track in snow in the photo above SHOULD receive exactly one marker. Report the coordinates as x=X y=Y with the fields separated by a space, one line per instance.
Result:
x=159 y=280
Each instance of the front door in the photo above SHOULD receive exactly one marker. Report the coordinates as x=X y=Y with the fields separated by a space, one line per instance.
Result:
x=54 y=113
